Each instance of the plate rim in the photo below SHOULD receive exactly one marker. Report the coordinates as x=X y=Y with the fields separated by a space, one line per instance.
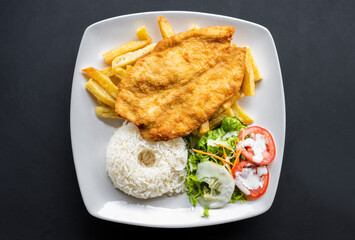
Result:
x=178 y=225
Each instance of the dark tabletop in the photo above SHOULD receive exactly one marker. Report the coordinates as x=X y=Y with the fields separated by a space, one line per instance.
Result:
x=40 y=197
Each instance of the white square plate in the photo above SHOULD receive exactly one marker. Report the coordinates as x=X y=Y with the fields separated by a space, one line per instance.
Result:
x=90 y=134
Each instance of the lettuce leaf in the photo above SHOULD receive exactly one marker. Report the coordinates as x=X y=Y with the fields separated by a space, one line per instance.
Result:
x=232 y=124
x=237 y=195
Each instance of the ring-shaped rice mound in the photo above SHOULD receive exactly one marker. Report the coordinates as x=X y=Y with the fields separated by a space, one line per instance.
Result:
x=145 y=169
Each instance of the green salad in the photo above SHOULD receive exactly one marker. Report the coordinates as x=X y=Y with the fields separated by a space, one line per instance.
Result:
x=210 y=162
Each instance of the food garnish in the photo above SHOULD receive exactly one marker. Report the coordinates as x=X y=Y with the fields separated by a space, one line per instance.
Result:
x=259 y=148
x=217 y=184
x=251 y=179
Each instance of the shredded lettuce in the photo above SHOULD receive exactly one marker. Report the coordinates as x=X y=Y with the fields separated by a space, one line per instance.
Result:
x=237 y=195
x=232 y=124
x=227 y=135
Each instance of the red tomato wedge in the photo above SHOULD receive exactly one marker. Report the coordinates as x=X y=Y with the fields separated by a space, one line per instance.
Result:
x=251 y=179
x=268 y=155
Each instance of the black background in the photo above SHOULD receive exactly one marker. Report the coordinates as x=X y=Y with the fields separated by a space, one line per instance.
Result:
x=40 y=197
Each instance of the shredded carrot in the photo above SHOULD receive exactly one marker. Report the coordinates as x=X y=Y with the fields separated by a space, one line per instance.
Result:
x=224 y=154
x=243 y=135
x=212 y=155
x=237 y=157
x=236 y=161
x=229 y=168
x=225 y=158
x=220 y=145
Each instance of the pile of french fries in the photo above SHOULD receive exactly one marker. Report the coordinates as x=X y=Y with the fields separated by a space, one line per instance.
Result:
x=103 y=83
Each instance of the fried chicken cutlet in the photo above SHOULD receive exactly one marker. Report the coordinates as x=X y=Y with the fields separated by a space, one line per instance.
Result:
x=179 y=85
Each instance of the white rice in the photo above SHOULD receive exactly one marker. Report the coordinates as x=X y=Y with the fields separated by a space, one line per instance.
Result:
x=162 y=170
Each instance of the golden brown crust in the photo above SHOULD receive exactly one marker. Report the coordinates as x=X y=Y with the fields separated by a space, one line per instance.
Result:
x=180 y=84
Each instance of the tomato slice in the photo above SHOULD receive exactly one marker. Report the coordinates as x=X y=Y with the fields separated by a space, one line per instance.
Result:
x=268 y=155
x=251 y=179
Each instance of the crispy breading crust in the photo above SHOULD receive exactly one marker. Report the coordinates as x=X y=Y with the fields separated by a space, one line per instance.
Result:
x=181 y=83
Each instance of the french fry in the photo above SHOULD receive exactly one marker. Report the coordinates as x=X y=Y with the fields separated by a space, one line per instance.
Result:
x=100 y=93
x=142 y=33
x=165 y=27
x=193 y=27
x=196 y=131
x=108 y=72
x=214 y=122
x=119 y=72
x=128 y=67
x=205 y=127
x=248 y=84
x=106 y=112
x=257 y=74
x=241 y=114
x=227 y=104
x=131 y=57
x=103 y=80
x=125 y=48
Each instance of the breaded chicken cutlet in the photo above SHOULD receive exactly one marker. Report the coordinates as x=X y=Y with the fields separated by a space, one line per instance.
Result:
x=179 y=85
